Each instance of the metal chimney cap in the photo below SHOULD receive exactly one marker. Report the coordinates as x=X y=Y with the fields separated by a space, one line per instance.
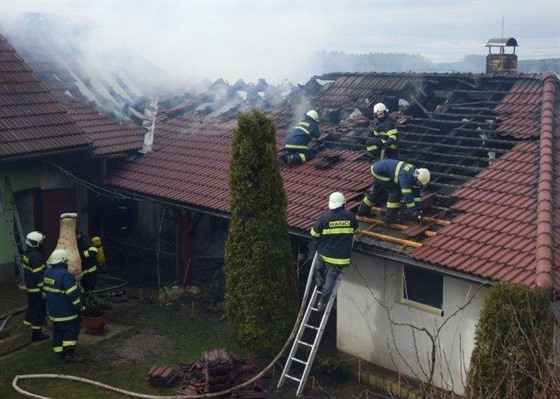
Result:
x=502 y=42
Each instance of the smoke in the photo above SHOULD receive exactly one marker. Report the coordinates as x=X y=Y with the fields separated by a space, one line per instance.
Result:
x=299 y=109
x=275 y=40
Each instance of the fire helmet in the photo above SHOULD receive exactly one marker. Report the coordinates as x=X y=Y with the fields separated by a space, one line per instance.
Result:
x=58 y=256
x=379 y=107
x=423 y=176
x=336 y=200
x=313 y=115
x=34 y=239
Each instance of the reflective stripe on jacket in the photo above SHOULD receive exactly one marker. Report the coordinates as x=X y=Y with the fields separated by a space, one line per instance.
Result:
x=334 y=232
x=386 y=130
x=64 y=301
x=33 y=263
x=88 y=255
x=401 y=175
x=300 y=136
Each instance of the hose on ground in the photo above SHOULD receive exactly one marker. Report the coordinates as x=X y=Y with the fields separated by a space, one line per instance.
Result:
x=17 y=378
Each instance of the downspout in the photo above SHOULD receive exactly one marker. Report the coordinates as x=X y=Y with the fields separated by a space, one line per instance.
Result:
x=545 y=197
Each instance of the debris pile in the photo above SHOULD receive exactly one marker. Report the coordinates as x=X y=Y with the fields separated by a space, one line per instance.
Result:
x=219 y=370
x=162 y=376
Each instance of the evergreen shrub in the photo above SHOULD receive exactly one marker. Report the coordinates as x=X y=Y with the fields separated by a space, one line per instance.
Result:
x=513 y=350
x=260 y=272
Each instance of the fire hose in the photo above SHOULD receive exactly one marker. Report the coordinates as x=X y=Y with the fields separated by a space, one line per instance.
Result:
x=206 y=395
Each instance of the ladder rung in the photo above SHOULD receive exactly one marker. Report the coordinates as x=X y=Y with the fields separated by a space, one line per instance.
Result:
x=293 y=378
x=305 y=343
x=310 y=326
x=295 y=359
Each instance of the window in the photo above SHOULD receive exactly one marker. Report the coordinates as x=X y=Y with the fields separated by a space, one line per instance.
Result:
x=423 y=289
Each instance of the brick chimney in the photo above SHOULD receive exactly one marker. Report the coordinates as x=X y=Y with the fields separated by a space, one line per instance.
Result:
x=498 y=61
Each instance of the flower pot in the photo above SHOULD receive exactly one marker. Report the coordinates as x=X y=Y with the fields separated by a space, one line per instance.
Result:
x=95 y=325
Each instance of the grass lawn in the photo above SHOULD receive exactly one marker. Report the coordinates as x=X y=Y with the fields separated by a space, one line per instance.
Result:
x=141 y=333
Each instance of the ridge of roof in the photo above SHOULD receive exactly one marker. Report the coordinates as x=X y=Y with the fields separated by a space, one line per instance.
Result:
x=545 y=200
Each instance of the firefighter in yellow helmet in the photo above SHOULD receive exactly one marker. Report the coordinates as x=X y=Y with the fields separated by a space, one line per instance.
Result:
x=100 y=252
x=88 y=255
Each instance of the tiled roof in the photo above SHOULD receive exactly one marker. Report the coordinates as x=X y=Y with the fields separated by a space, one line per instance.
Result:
x=196 y=159
x=32 y=122
x=497 y=222
x=508 y=228
x=109 y=138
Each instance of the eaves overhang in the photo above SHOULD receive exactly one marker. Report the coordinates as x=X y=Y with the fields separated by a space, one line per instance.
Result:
x=50 y=154
x=406 y=260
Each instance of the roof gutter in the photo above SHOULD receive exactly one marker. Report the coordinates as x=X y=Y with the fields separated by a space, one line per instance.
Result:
x=45 y=154
x=545 y=199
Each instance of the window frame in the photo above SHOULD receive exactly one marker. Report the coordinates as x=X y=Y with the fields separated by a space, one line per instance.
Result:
x=415 y=303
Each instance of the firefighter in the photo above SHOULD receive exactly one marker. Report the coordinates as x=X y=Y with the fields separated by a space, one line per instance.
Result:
x=101 y=260
x=334 y=234
x=296 y=146
x=385 y=134
x=394 y=179
x=64 y=304
x=88 y=255
x=33 y=263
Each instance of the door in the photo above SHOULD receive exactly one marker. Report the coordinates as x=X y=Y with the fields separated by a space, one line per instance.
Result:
x=55 y=202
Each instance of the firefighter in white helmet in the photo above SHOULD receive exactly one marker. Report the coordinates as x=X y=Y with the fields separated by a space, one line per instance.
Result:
x=394 y=179
x=384 y=134
x=334 y=234
x=64 y=304
x=34 y=265
x=297 y=149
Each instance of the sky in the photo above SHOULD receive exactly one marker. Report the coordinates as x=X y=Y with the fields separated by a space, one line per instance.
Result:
x=254 y=39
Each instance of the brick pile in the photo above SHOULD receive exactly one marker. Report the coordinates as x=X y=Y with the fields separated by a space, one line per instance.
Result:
x=216 y=371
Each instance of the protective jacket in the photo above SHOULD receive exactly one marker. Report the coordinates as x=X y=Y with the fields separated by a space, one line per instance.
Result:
x=386 y=130
x=88 y=254
x=300 y=136
x=334 y=232
x=393 y=174
x=63 y=296
x=34 y=265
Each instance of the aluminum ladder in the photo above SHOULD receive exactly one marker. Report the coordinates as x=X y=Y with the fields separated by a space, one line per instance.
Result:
x=15 y=232
x=303 y=352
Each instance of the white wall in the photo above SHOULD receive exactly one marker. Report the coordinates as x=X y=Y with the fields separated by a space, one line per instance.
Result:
x=369 y=314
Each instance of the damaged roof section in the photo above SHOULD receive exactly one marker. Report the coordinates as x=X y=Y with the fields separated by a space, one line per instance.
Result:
x=492 y=151
x=32 y=122
x=110 y=139
x=482 y=137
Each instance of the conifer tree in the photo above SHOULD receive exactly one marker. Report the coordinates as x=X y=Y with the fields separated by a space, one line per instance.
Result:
x=260 y=277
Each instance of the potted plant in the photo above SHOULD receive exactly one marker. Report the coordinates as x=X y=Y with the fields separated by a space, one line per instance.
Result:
x=95 y=313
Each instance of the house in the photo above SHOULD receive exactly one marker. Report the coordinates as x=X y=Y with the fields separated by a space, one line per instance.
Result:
x=410 y=301
x=413 y=296
x=47 y=150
